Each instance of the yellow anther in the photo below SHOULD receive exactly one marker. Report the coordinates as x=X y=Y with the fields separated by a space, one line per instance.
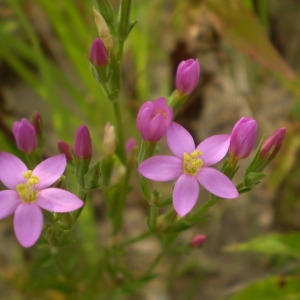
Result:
x=27 y=174
x=21 y=189
x=33 y=180
x=192 y=162
x=163 y=113
x=27 y=190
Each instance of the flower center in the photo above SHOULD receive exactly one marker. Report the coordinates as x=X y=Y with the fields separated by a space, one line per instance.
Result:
x=192 y=162
x=26 y=190
x=163 y=113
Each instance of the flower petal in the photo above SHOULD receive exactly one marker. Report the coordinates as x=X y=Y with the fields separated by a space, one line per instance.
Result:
x=185 y=194
x=9 y=201
x=49 y=170
x=28 y=223
x=58 y=200
x=217 y=183
x=214 y=148
x=161 y=168
x=11 y=170
x=179 y=140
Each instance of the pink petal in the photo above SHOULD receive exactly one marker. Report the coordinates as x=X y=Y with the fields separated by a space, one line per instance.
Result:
x=214 y=148
x=11 y=170
x=50 y=170
x=9 y=201
x=185 y=194
x=217 y=183
x=179 y=140
x=28 y=223
x=58 y=200
x=161 y=168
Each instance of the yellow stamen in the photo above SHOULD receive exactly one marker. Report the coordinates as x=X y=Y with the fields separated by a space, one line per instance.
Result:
x=26 y=190
x=192 y=162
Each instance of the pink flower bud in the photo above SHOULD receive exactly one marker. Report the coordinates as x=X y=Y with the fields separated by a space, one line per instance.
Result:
x=83 y=144
x=272 y=144
x=198 y=241
x=37 y=122
x=187 y=76
x=109 y=140
x=153 y=119
x=25 y=135
x=65 y=149
x=243 y=137
x=130 y=144
x=98 y=55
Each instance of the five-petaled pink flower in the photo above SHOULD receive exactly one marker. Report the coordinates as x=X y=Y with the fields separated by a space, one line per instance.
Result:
x=29 y=192
x=190 y=166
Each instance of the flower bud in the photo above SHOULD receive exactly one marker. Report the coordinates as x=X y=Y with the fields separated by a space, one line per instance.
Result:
x=187 y=76
x=65 y=149
x=37 y=122
x=153 y=119
x=109 y=140
x=272 y=144
x=198 y=241
x=98 y=55
x=25 y=135
x=82 y=143
x=243 y=137
x=130 y=144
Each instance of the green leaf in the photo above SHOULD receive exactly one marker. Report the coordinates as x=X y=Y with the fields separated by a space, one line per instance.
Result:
x=273 y=244
x=274 y=288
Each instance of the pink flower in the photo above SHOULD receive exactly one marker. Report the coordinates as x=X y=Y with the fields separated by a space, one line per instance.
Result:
x=98 y=55
x=25 y=135
x=243 y=137
x=187 y=76
x=83 y=143
x=29 y=192
x=190 y=166
x=153 y=119
x=272 y=144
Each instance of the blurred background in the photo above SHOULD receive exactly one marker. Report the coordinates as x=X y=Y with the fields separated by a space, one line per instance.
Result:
x=250 y=61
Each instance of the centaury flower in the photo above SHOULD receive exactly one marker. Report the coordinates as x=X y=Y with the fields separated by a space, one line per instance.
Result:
x=191 y=165
x=29 y=192
x=153 y=119
x=25 y=135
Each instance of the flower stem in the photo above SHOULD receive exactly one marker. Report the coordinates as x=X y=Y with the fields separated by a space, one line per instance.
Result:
x=120 y=131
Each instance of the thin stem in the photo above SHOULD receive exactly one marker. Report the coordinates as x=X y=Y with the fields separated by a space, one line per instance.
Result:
x=136 y=239
x=120 y=130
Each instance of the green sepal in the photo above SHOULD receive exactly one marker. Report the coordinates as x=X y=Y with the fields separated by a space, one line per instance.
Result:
x=101 y=74
x=92 y=177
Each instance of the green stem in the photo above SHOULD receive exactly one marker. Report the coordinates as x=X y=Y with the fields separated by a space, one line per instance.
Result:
x=204 y=208
x=120 y=131
x=153 y=217
x=136 y=239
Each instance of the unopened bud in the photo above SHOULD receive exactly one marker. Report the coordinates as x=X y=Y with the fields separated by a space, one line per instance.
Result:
x=109 y=140
x=198 y=241
x=98 y=55
x=82 y=143
x=25 y=135
x=65 y=149
x=187 y=76
x=272 y=144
